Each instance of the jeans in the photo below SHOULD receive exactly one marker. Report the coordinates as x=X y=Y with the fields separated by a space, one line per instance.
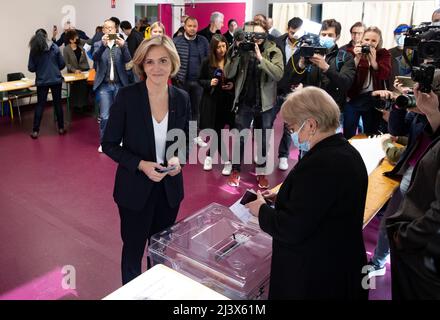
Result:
x=243 y=120
x=382 y=249
x=362 y=105
x=106 y=94
x=42 y=92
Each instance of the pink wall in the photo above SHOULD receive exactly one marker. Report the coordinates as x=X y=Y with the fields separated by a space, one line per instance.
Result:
x=202 y=12
x=165 y=14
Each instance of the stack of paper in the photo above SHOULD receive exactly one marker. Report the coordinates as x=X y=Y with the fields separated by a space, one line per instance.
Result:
x=370 y=150
x=163 y=283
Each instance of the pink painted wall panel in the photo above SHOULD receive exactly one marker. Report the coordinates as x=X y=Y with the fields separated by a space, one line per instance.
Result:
x=202 y=11
x=165 y=14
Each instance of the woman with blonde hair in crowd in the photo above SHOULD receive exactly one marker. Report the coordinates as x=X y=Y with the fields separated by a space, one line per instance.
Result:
x=156 y=29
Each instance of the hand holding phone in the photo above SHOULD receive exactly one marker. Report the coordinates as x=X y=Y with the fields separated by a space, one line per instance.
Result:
x=406 y=81
x=112 y=36
x=250 y=196
x=165 y=170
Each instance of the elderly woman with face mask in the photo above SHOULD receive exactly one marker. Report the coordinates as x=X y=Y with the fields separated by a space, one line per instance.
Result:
x=316 y=224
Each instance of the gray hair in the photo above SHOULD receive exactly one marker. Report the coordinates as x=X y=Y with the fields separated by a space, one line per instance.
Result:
x=216 y=16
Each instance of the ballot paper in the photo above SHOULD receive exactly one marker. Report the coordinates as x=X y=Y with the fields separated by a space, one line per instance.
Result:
x=371 y=151
x=242 y=213
x=69 y=78
x=163 y=283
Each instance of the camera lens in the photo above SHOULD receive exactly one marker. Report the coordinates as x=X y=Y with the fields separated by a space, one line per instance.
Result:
x=406 y=101
x=365 y=49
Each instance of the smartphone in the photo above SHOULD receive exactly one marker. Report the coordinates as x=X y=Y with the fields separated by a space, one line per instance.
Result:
x=165 y=170
x=249 y=196
x=112 y=36
x=406 y=81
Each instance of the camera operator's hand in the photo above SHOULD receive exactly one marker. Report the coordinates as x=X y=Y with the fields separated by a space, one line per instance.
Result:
x=228 y=86
x=214 y=82
x=372 y=58
x=105 y=40
x=399 y=86
x=302 y=62
x=258 y=53
x=120 y=42
x=428 y=104
x=320 y=62
x=385 y=94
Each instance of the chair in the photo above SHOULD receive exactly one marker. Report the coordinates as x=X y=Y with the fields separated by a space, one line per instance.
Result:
x=3 y=99
x=21 y=93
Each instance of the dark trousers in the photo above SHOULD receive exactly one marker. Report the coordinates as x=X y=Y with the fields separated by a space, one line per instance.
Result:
x=243 y=120
x=42 y=92
x=195 y=92
x=138 y=226
x=363 y=105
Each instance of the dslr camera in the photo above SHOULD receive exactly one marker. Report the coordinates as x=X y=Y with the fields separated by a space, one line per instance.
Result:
x=365 y=49
x=309 y=45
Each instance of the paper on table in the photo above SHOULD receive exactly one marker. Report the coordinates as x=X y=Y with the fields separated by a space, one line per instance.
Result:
x=242 y=213
x=371 y=151
x=163 y=283
x=20 y=83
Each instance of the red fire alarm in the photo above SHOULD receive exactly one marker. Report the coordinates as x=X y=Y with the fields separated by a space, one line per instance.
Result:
x=113 y=4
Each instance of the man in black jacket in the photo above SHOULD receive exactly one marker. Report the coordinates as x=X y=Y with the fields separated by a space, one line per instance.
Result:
x=335 y=71
x=293 y=75
x=134 y=38
x=215 y=25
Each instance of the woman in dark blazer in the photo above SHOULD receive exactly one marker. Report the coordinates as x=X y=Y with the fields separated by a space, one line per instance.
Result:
x=76 y=62
x=141 y=117
x=316 y=225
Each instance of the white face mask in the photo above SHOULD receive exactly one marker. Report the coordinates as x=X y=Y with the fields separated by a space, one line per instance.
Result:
x=400 y=40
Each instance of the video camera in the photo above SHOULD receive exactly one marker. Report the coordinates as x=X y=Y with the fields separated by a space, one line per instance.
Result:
x=424 y=41
x=309 y=45
x=248 y=37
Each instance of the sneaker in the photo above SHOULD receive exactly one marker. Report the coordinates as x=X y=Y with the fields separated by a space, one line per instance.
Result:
x=263 y=183
x=375 y=270
x=34 y=135
x=283 y=165
x=100 y=149
x=207 y=166
x=234 y=179
x=199 y=141
x=227 y=169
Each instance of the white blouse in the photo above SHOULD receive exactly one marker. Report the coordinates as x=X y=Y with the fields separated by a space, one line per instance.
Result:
x=160 y=137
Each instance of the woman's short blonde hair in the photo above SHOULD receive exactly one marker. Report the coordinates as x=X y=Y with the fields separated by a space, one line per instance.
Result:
x=158 y=24
x=144 y=48
x=311 y=103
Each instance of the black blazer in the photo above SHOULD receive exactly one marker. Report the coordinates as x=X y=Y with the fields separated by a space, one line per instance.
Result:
x=318 y=248
x=130 y=121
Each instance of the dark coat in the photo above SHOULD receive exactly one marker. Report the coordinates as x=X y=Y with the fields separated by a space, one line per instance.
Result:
x=339 y=77
x=290 y=76
x=101 y=58
x=182 y=47
x=72 y=63
x=130 y=121
x=318 y=248
x=207 y=33
x=216 y=104
x=47 y=66
x=133 y=41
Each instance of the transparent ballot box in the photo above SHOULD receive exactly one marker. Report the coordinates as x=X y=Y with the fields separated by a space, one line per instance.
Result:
x=216 y=249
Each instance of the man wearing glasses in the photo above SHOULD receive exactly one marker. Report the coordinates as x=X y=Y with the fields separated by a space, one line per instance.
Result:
x=357 y=32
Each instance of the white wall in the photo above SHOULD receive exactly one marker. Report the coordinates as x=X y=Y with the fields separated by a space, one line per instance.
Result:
x=19 y=19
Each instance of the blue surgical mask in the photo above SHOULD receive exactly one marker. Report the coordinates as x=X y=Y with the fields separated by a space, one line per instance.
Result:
x=302 y=146
x=400 y=40
x=327 y=42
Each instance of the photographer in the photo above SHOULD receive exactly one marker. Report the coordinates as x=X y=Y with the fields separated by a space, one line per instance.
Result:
x=373 y=67
x=335 y=71
x=414 y=226
x=256 y=64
